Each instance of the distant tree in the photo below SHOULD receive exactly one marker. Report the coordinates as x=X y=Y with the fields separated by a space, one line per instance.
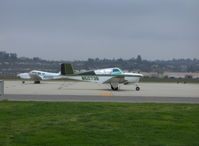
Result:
x=191 y=68
x=36 y=59
x=11 y=64
x=4 y=56
x=139 y=59
x=13 y=56
x=90 y=60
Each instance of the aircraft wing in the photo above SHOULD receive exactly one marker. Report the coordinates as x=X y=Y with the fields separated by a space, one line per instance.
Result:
x=116 y=79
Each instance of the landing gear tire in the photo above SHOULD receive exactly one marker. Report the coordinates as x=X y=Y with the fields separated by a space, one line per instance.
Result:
x=37 y=82
x=115 y=89
x=114 y=86
x=137 y=88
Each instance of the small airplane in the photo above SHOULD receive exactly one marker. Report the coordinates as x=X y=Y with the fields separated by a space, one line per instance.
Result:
x=112 y=76
x=37 y=76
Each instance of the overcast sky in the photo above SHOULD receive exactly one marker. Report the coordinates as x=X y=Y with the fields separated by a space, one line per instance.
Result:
x=81 y=29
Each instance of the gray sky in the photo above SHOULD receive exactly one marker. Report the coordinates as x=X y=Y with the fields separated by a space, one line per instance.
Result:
x=81 y=29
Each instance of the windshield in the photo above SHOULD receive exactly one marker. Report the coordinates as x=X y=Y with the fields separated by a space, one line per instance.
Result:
x=116 y=71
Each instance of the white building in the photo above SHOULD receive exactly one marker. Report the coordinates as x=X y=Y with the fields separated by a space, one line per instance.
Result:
x=193 y=75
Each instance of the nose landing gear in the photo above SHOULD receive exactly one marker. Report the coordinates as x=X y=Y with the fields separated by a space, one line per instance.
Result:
x=137 y=88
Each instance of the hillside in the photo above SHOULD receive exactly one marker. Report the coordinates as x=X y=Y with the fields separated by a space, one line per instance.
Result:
x=11 y=64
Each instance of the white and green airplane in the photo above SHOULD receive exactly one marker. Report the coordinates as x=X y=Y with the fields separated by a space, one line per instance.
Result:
x=111 y=76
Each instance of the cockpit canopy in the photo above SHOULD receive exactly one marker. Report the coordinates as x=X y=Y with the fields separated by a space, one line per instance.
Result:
x=116 y=71
x=37 y=72
x=109 y=71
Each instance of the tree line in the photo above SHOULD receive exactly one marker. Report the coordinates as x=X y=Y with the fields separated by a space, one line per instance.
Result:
x=10 y=63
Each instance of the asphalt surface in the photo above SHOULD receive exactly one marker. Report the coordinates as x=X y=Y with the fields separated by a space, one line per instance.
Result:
x=91 y=92
x=98 y=98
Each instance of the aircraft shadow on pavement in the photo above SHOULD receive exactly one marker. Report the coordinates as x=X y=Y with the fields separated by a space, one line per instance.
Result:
x=119 y=90
x=110 y=90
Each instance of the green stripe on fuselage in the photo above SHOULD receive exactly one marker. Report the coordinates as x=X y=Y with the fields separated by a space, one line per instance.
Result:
x=104 y=75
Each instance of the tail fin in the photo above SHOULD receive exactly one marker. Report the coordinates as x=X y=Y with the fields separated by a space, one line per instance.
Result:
x=66 y=69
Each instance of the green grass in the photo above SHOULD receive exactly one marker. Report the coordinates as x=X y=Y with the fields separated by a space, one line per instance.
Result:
x=73 y=123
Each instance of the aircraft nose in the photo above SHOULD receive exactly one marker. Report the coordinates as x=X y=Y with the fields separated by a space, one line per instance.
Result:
x=18 y=75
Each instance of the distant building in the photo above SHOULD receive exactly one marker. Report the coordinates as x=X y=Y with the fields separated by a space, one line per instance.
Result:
x=152 y=74
x=178 y=75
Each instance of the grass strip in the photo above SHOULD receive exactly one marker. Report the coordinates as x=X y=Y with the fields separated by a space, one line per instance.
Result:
x=73 y=123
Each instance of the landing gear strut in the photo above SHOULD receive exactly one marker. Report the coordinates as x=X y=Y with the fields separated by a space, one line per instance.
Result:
x=114 y=86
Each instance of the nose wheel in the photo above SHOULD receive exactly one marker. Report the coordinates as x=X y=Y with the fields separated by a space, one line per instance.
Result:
x=137 y=88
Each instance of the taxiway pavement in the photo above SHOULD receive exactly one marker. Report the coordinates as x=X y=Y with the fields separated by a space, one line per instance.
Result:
x=91 y=92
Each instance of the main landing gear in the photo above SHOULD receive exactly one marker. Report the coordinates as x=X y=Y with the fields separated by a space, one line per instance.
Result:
x=36 y=82
x=114 y=86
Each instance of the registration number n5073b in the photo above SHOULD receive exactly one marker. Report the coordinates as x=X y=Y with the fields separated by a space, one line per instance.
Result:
x=95 y=78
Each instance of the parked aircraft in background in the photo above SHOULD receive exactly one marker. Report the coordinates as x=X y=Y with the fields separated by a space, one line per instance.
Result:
x=37 y=76
x=112 y=76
